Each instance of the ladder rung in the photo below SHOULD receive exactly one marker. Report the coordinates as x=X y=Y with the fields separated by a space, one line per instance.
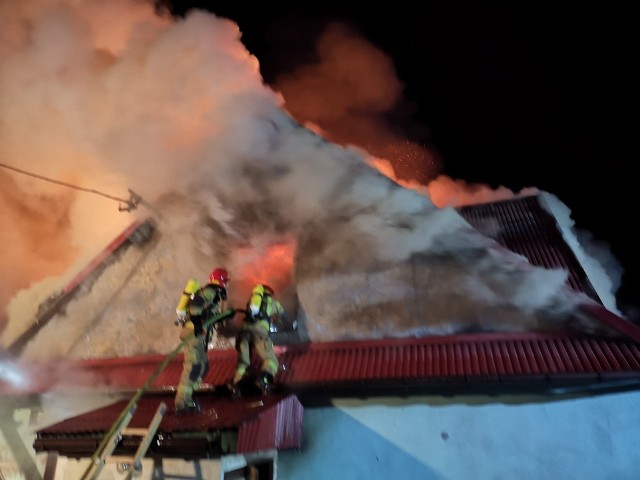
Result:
x=119 y=459
x=141 y=432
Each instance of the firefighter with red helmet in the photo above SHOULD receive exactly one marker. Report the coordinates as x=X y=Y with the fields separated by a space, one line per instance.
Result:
x=262 y=308
x=197 y=306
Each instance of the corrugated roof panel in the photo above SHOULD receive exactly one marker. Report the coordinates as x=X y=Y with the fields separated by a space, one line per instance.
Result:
x=277 y=418
x=471 y=361
x=543 y=355
x=417 y=361
x=358 y=361
x=289 y=426
x=553 y=356
x=217 y=413
x=500 y=354
x=529 y=361
x=430 y=358
x=603 y=362
x=577 y=358
x=279 y=427
x=523 y=226
x=559 y=353
x=486 y=365
x=515 y=357
x=613 y=362
x=341 y=364
x=619 y=357
x=630 y=359
x=439 y=357
x=585 y=359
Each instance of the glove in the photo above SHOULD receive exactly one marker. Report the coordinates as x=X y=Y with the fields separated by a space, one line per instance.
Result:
x=182 y=314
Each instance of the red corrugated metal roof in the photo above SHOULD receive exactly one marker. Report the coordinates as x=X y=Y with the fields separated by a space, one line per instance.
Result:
x=279 y=427
x=475 y=358
x=478 y=363
x=482 y=357
x=523 y=226
x=261 y=423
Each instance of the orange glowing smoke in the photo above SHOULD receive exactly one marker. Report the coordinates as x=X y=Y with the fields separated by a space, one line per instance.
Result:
x=272 y=265
x=347 y=96
x=35 y=238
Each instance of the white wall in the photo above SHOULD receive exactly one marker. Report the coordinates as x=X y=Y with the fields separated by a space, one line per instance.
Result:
x=463 y=438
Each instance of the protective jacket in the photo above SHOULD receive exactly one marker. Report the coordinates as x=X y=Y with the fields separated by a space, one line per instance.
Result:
x=205 y=304
x=262 y=308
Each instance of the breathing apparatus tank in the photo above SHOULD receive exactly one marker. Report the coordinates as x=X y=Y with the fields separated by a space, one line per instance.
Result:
x=190 y=288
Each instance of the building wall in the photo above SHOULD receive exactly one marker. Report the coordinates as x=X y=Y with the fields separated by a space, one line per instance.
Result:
x=470 y=438
x=427 y=438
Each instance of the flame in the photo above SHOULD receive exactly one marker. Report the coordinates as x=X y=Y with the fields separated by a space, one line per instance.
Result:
x=271 y=264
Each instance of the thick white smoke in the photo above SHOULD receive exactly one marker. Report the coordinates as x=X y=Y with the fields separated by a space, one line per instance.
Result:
x=177 y=111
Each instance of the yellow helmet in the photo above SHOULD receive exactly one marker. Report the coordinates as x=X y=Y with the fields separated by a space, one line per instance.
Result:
x=261 y=289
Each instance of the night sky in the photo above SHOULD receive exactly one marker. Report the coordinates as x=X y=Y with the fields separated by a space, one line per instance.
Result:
x=527 y=95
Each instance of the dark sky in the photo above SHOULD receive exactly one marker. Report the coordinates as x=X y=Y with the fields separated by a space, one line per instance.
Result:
x=514 y=94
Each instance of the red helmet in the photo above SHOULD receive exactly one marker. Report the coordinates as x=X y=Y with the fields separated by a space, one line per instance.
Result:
x=268 y=289
x=219 y=277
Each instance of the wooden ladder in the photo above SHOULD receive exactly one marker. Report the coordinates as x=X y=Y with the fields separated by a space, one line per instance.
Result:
x=131 y=465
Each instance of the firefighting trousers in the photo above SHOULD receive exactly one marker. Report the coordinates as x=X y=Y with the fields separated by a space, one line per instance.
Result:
x=255 y=340
x=194 y=368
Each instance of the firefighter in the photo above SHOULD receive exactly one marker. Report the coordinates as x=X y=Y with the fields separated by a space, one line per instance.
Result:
x=204 y=303
x=260 y=311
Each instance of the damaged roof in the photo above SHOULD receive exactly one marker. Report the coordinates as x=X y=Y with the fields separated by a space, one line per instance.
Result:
x=533 y=362
x=525 y=227
x=223 y=426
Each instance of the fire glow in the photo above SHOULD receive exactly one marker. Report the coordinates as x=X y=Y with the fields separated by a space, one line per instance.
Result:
x=271 y=264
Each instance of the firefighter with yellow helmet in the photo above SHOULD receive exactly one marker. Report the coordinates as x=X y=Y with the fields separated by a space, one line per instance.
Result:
x=197 y=306
x=262 y=308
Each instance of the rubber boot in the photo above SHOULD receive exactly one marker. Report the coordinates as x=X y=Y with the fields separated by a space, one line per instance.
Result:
x=264 y=383
x=189 y=407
